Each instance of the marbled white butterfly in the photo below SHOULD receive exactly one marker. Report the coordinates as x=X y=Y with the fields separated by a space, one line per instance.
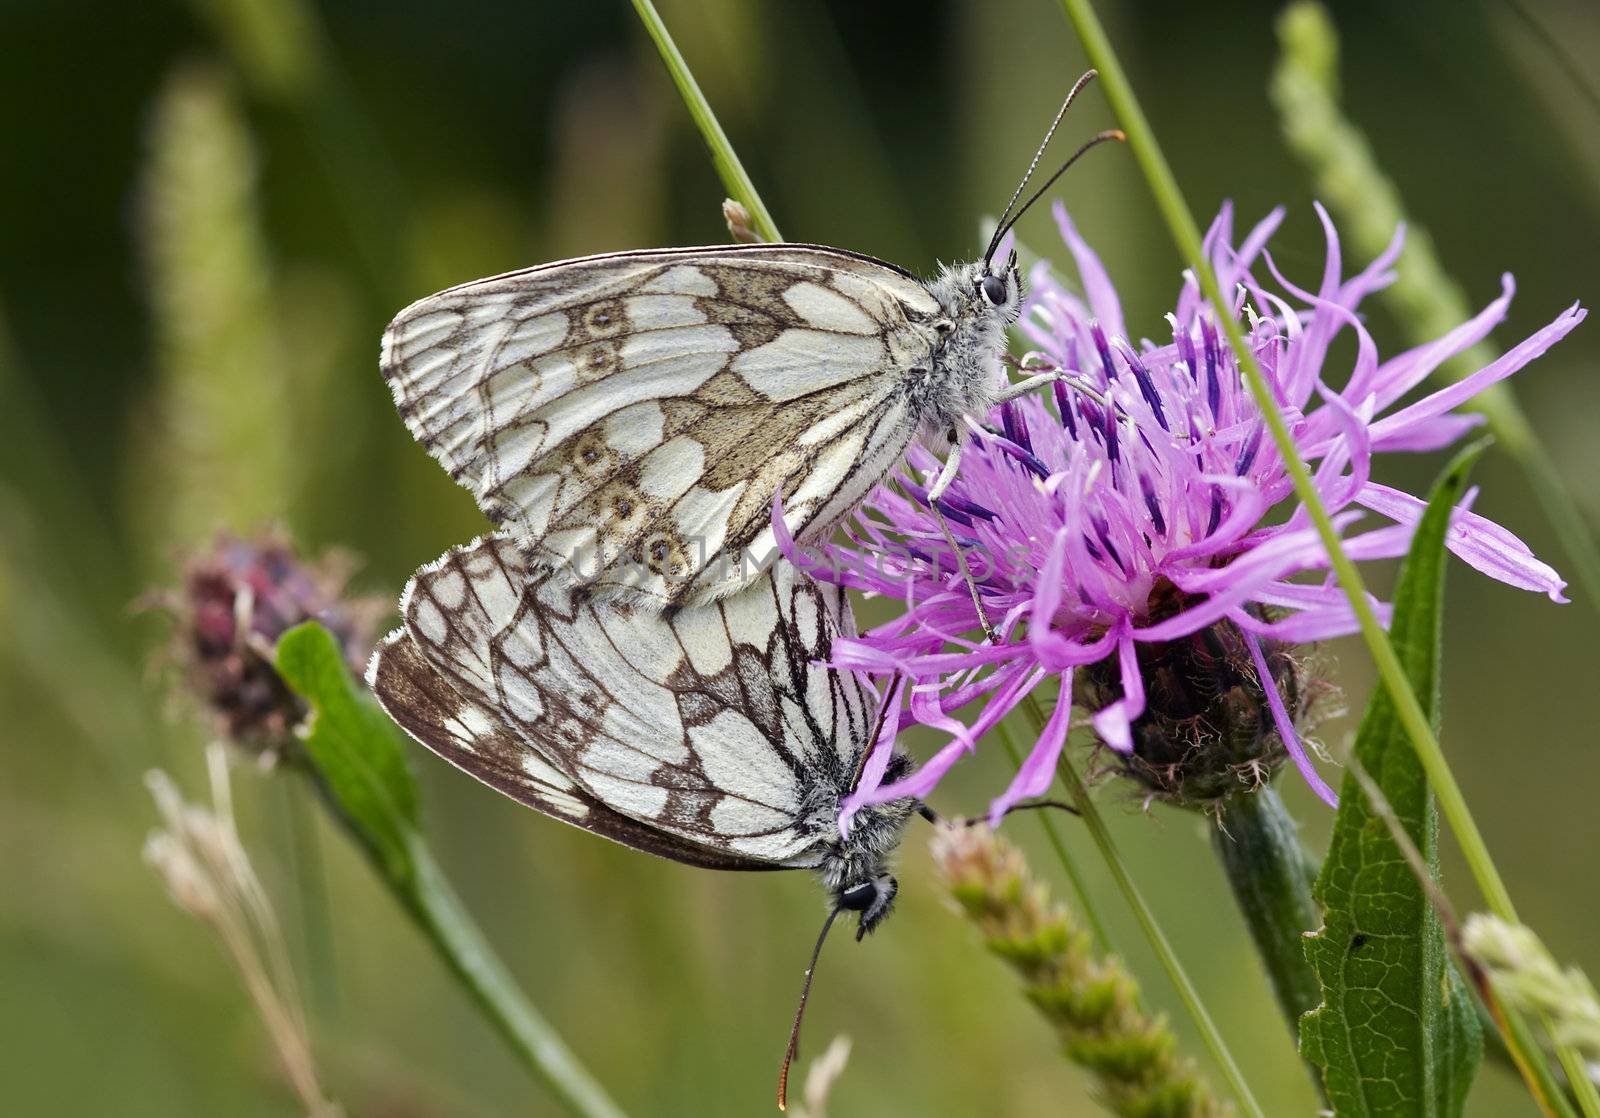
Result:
x=628 y=421
x=714 y=735
x=632 y=416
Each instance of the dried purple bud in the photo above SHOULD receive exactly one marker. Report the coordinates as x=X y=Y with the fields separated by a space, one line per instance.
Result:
x=238 y=598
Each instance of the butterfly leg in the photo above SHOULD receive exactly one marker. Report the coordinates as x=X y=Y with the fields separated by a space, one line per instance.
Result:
x=1026 y=385
x=952 y=463
x=1036 y=805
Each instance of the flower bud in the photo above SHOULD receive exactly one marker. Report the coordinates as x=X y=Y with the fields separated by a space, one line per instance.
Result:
x=1206 y=729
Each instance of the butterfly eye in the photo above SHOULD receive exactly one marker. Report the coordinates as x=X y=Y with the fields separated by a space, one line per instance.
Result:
x=859 y=898
x=994 y=289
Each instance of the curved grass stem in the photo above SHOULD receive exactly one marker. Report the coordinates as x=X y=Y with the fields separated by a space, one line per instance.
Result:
x=462 y=946
x=734 y=177
x=1186 y=234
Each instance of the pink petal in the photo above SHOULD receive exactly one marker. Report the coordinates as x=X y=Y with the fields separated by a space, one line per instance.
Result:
x=1039 y=768
x=1245 y=512
x=960 y=696
x=1114 y=723
x=926 y=709
x=1305 y=375
x=1220 y=233
x=1097 y=286
x=1267 y=560
x=921 y=782
x=1047 y=600
x=926 y=778
x=1309 y=625
x=868 y=654
x=1280 y=716
x=1431 y=434
x=1354 y=447
x=1401 y=374
x=1447 y=398
x=1258 y=238
x=1480 y=542
x=1375 y=275
x=1320 y=331
x=1241 y=581
x=1004 y=700
x=878 y=759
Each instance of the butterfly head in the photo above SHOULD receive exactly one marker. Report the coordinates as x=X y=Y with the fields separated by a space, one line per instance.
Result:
x=855 y=867
x=977 y=301
x=872 y=898
x=984 y=295
x=998 y=285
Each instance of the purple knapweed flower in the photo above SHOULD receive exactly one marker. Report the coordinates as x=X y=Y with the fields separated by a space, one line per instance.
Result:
x=1137 y=521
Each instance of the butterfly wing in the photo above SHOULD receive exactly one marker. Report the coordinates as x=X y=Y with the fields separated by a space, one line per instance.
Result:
x=713 y=727
x=633 y=415
x=455 y=727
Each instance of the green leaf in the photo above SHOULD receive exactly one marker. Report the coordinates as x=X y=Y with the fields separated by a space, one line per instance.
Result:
x=358 y=753
x=1396 y=1033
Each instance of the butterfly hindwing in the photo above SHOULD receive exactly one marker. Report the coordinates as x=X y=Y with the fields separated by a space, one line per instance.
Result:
x=711 y=727
x=633 y=415
x=429 y=709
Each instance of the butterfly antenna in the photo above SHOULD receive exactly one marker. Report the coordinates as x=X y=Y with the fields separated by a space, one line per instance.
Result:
x=800 y=1011
x=1094 y=141
x=1002 y=225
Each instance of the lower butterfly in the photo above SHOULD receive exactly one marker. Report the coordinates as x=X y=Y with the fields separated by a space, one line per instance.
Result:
x=714 y=735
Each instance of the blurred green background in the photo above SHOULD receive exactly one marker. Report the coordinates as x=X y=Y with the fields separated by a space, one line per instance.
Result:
x=210 y=211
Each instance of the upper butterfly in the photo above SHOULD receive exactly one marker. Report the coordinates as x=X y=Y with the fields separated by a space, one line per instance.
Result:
x=632 y=416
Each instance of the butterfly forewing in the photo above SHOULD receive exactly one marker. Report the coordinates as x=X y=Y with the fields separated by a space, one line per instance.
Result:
x=704 y=735
x=632 y=416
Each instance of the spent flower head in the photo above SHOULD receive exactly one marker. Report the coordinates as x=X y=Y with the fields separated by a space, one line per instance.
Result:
x=239 y=596
x=1134 y=536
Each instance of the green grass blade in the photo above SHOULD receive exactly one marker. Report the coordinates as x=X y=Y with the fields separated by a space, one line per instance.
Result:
x=734 y=178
